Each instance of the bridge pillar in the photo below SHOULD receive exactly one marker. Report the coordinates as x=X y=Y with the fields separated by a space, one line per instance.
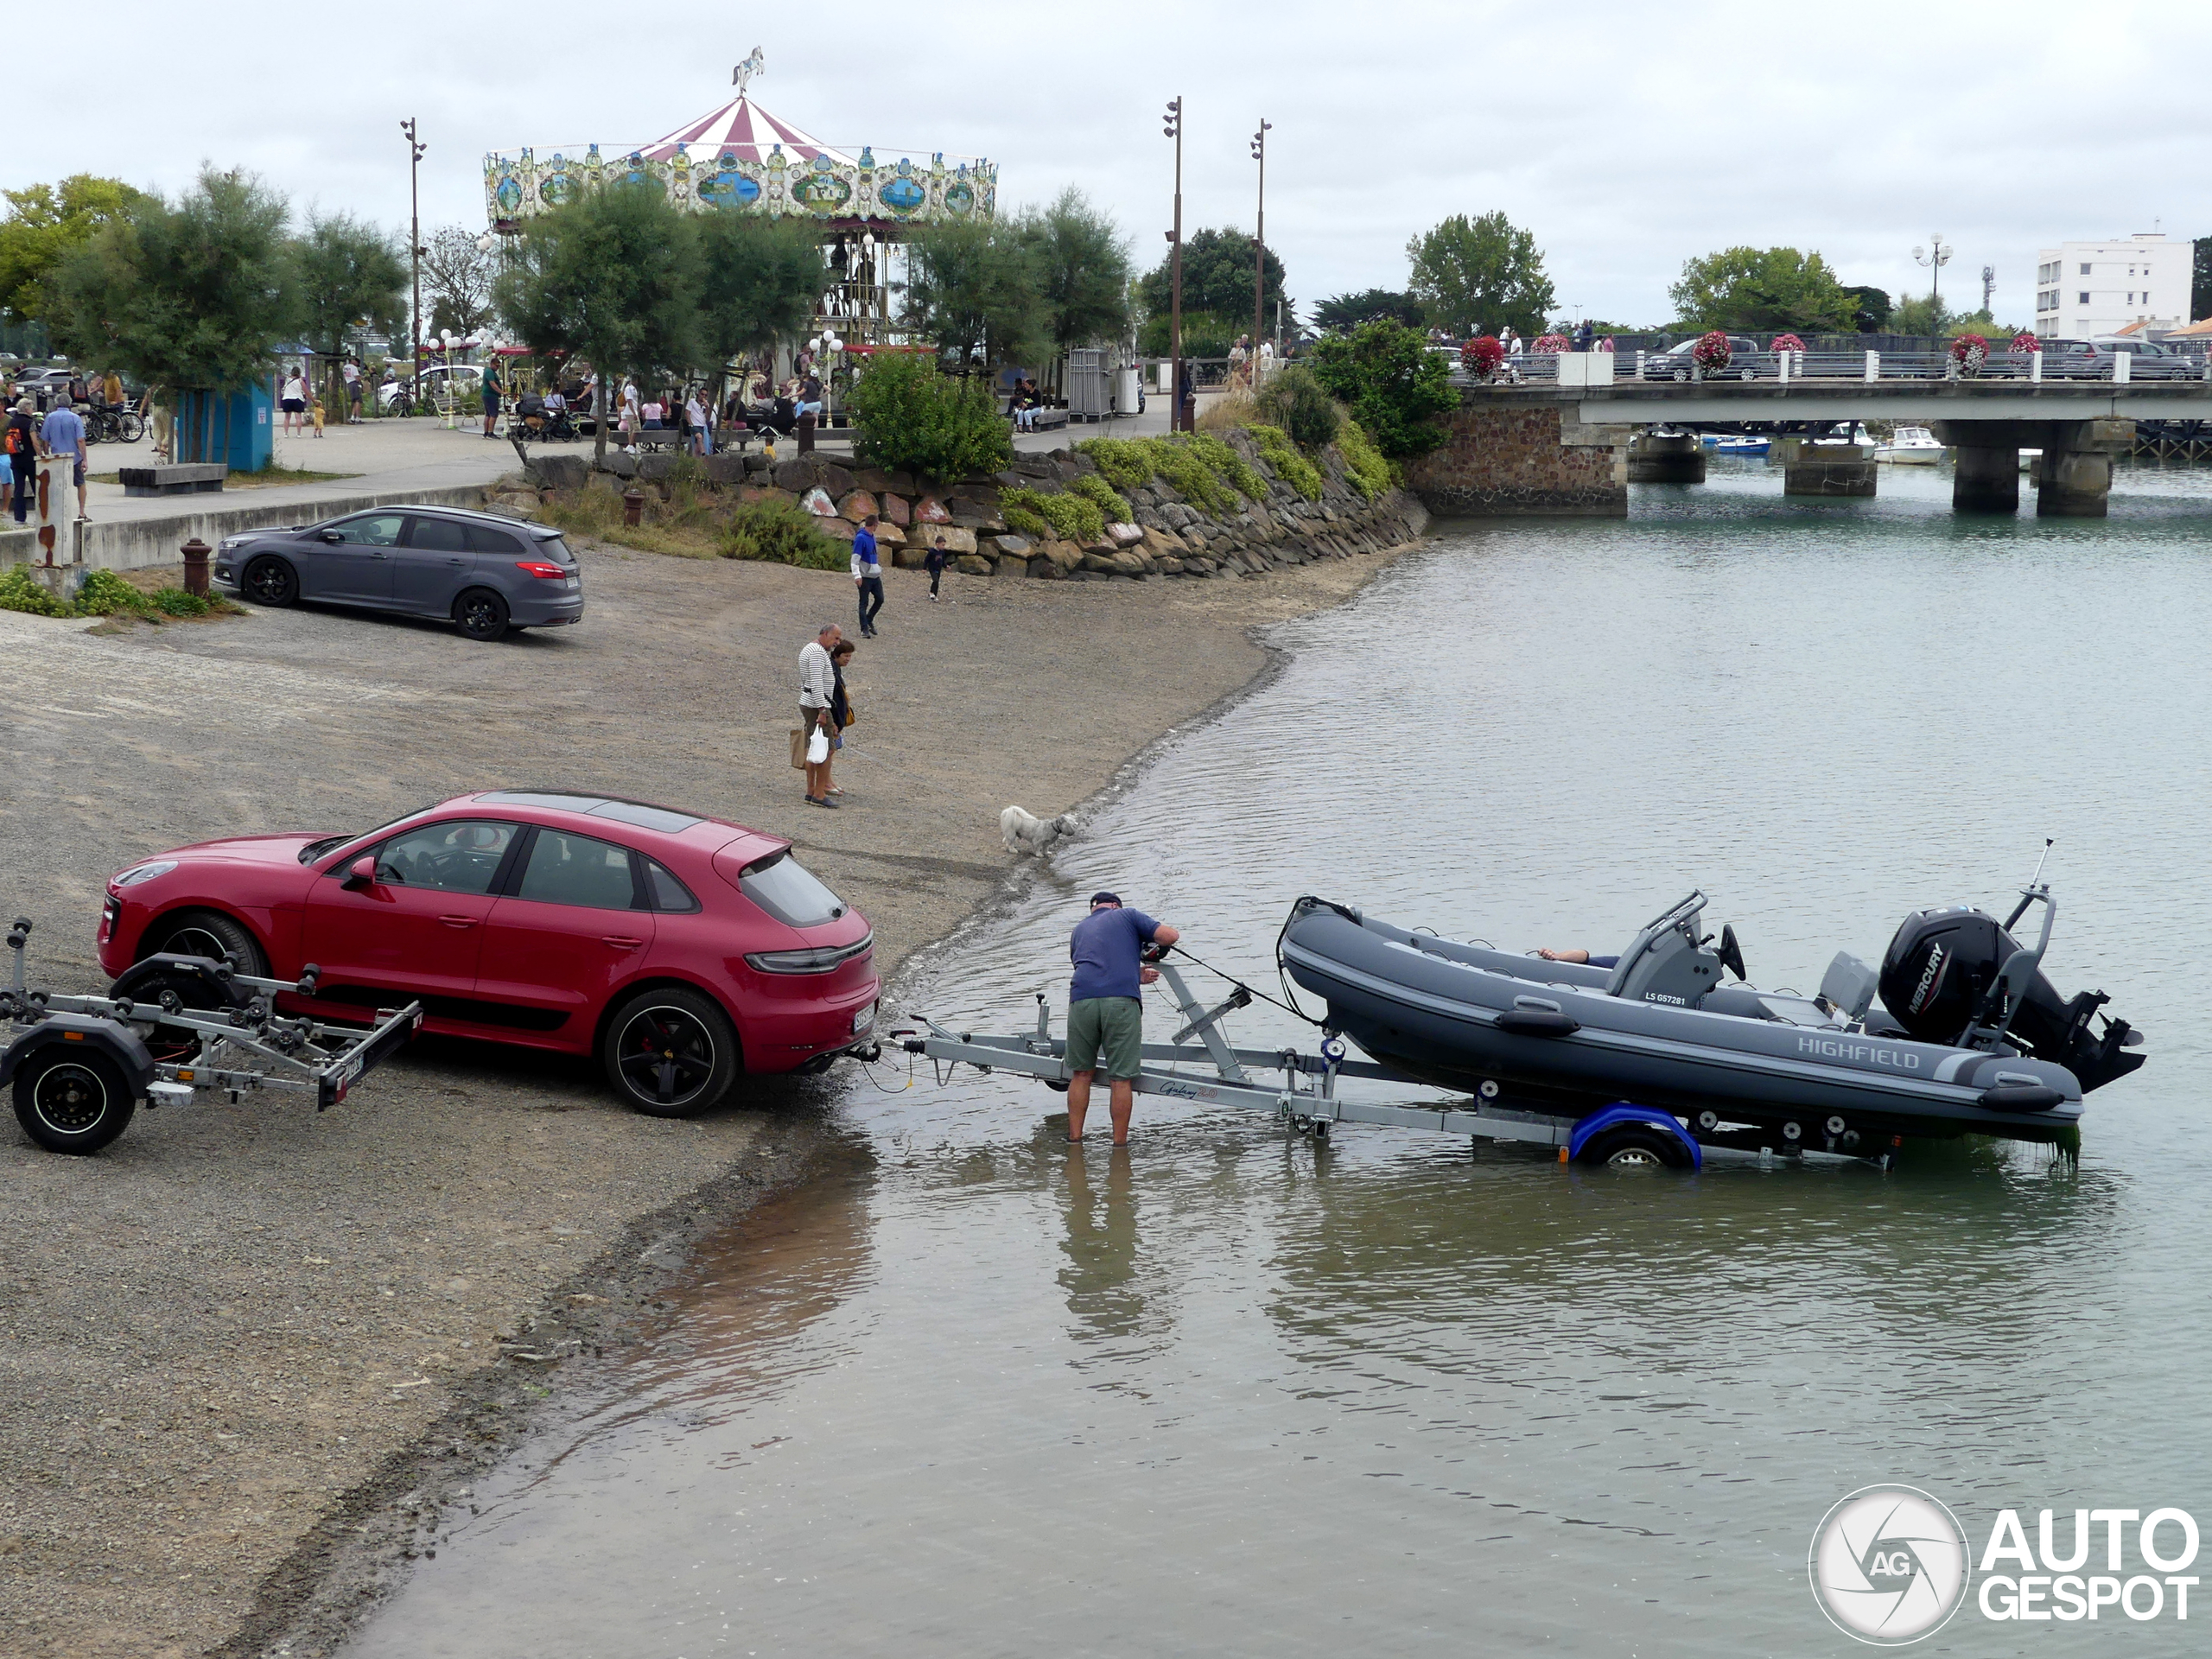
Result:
x=1810 y=468
x=2074 y=478
x=1666 y=458
x=1988 y=479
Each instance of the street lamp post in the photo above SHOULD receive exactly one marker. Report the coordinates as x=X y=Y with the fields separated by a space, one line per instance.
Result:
x=1260 y=260
x=1936 y=255
x=1174 y=130
x=415 y=148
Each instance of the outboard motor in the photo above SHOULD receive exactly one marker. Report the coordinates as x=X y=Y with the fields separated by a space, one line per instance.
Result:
x=1944 y=979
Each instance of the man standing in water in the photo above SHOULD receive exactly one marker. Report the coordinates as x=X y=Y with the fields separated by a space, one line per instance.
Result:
x=1105 y=1011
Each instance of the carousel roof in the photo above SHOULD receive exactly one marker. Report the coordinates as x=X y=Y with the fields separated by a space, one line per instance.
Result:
x=743 y=129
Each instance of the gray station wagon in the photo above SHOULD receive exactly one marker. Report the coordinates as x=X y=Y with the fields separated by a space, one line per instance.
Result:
x=484 y=573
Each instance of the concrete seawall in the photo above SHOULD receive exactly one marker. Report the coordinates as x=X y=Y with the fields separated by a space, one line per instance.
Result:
x=136 y=544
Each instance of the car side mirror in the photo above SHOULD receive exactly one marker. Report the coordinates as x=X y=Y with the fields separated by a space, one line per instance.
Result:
x=332 y=537
x=363 y=872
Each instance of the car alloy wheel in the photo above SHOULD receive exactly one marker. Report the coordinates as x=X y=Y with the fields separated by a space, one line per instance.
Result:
x=268 y=581
x=667 y=1057
x=482 y=614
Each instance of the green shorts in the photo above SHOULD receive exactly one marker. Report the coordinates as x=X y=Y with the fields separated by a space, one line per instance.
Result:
x=1113 y=1026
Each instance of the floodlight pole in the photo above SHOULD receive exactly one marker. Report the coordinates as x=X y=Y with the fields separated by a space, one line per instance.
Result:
x=1175 y=300
x=1259 y=262
x=416 y=148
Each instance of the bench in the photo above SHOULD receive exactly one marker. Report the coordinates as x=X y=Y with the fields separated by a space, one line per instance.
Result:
x=1045 y=420
x=182 y=477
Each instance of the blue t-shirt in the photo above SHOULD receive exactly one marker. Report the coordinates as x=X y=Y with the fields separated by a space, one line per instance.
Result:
x=864 y=546
x=64 y=432
x=1104 y=948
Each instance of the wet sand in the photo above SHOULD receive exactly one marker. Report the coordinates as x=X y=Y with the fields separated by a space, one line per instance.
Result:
x=239 y=1339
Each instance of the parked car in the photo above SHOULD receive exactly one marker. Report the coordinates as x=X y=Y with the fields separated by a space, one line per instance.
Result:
x=483 y=573
x=42 y=386
x=1675 y=364
x=679 y=949
x=2091 y=359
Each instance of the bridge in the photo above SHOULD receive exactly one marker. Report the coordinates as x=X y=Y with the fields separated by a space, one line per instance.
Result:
x=1560 y=445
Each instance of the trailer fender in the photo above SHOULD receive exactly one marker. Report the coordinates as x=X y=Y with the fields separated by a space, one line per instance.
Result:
x=1622 y=1112
x=112 y=1037
x=144 y=981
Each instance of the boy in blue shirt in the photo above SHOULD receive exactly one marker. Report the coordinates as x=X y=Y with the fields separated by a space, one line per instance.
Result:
x=868 y=575
x=1105 y=1009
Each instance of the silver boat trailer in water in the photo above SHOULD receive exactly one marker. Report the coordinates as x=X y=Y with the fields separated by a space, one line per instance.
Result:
x=1307 y=1101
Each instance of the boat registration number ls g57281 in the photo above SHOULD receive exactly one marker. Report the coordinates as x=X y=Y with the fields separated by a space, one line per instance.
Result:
x=1834 y=1048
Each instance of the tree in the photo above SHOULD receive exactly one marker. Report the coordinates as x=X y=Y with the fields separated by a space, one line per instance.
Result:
x=191 y=296
x=1394 y=385
x=350 y=278
x=1923 y=315
x=940 y=426
x=2200 y=287
x=1217 y=271
x=1083 y=271
x=1341 y=313
x=1750 y=289
x=47 y=222
x=611 y=277
x=1471 y=275
x=1871 y=309
x=759 y=281
x=457 y=276
x=972 y=288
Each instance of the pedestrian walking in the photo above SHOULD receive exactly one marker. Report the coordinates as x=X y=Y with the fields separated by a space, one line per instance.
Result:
x=840 y=714
x=63 y=434
x=1105 y=1007
x=695 y=414
x=935 y=563
x=352 y=373
x=292 y=398
x=491 y=397
x=817 y=688
x=21 y=440
x=868 y=575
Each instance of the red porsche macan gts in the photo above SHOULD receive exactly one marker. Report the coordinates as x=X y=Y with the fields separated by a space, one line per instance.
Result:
x=679 y=949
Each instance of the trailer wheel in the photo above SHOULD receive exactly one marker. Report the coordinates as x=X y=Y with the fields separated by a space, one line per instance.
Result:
x=269 y=580
x=482 y=614
x=1635 y=1146
x=670 y=1053
x=72 y=1100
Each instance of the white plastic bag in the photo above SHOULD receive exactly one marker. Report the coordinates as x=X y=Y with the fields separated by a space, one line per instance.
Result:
x=817 y=744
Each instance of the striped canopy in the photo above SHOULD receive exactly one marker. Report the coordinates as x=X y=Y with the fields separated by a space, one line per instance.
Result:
x=743 y=129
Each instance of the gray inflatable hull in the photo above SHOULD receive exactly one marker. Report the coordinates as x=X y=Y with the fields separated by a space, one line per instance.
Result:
x=1459 y=1016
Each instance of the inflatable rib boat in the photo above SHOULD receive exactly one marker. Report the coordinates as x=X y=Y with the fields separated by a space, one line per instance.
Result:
x=1970 y=1038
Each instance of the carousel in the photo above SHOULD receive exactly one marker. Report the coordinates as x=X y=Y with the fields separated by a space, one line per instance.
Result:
x=740 y=159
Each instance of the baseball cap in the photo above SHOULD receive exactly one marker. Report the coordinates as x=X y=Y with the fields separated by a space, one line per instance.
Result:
x=1097 y=898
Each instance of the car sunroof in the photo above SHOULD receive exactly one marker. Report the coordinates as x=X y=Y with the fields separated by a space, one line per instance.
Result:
x=560 y=802
x=646 y=817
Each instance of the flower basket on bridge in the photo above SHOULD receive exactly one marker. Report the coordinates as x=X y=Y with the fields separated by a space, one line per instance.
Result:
x=1968 y=354
x=2027 y=342
x=1787 y=343
x=1712 y=352
x=1552 y=344
x=1480 y=356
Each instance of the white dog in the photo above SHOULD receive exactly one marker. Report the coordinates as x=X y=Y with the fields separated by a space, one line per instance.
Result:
x=1025 y=832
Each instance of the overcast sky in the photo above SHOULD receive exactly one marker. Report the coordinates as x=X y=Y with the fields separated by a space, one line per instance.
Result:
x=1627 y=137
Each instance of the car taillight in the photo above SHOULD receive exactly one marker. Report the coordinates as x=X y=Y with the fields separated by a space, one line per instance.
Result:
x=821 y=959
x=540 y=569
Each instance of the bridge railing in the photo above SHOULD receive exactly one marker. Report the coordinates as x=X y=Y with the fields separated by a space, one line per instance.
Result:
x=1542 y=368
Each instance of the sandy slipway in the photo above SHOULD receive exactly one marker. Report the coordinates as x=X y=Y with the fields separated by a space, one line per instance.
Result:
x=250 y=1353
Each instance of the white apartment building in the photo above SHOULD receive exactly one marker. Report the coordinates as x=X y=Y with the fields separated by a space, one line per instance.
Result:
x=2088 y=288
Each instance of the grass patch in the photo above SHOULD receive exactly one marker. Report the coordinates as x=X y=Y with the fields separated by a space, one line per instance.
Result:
x=1372 y=473
x=694 y=520
x=1189 y=464
x=1071 y=517
x=1229 y=465
x=1227 y=413
x=1095 y=488
x=1279 y=451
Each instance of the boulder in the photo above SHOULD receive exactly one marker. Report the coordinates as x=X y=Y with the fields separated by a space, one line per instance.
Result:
x=1015 y=547
x=725 y=469
x=817 y=501
x=909 y=558
x=1125 y=535
x=837 y=530
x=1066 y=554
x=798 y=474
x=1103 y=562
x=1044 y=570
x=834 y=478
x=620 y=465
x=956 y=539
x=894 y=508
x=1171 y=567
x=561 y=472
x=1160 y=542
x=872 y=479
x=930 y=511
x=1130 y=563
x=653 y=468
x=753 y=493
x=858 y=506
x=974 y=564
x=1010 y=479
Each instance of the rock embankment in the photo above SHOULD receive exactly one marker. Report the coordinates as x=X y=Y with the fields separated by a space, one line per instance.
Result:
x=1164 y=534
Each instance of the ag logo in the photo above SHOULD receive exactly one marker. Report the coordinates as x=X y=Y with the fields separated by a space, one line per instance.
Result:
x=1888 y=1565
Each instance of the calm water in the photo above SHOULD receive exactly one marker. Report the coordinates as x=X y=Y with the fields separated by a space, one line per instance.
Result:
x=979 y=1393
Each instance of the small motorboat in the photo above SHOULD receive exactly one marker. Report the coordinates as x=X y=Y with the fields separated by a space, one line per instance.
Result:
x=1741 y=444
x=1969 y=1037
x=1911 y=446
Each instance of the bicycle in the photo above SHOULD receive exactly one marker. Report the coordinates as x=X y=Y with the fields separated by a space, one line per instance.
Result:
x=121 y=424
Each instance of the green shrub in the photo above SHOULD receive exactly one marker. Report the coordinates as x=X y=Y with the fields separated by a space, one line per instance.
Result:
x=1071 y=517
x=781 y=534
x=1116 y=510
x=175 y=601
x=1302 y=474
x=1182 y=464
x=19 y=593
x=104 y=593
x=911 y=418
x=1394 y=386
x=1371 y=474
x=1293 y=399
x=1126 y=463
x=1216 y=454
x=1023 y=521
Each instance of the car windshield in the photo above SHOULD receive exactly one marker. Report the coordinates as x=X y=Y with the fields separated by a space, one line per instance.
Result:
x=316 y=850
x=789 y=891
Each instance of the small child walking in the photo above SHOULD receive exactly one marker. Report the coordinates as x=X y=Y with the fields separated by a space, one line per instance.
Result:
x=935 y=564
x=318 y=417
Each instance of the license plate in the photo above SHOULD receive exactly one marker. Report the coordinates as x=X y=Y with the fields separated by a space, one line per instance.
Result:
x=863 y=1018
